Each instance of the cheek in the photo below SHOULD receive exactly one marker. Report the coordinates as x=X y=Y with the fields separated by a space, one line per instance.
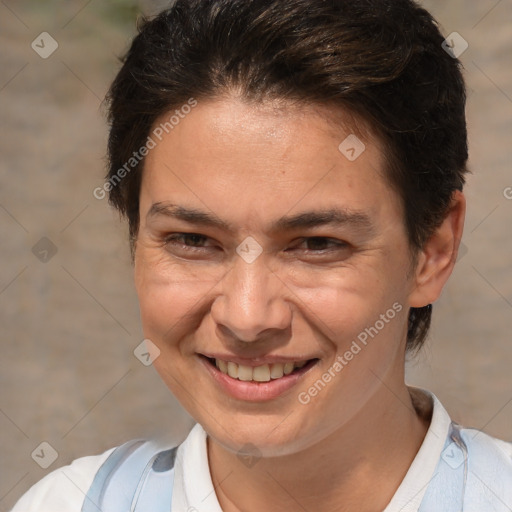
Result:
x=169 y=297
x=344 y=304
x=363 y=326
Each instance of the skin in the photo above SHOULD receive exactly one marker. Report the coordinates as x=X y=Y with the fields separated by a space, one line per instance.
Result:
x=250 y=165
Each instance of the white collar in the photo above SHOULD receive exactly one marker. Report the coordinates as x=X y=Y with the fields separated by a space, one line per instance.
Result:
x=193 y=487
x=409 y=495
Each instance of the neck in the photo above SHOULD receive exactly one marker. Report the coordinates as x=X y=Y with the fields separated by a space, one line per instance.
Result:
x=358 y=467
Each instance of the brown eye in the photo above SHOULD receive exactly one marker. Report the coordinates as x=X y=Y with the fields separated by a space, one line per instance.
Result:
x=320 y=249
x=320 y=243
x=189 y=239
x=186 y=241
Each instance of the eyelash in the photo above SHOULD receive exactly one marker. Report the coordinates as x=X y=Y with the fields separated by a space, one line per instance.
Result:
x=174 y=237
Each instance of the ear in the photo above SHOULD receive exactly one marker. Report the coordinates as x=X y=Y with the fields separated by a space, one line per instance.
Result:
x=437 y=258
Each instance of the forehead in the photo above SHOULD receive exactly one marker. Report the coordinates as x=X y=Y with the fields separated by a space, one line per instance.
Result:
x=254 y=162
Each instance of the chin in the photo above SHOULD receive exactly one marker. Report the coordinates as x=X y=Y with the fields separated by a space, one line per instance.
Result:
x=267 y=436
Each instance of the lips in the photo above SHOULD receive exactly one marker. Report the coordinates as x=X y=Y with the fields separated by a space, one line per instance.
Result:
x=261 y=373
x=258 y=380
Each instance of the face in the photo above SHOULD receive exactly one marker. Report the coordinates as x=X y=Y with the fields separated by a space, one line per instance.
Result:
x=267 y=252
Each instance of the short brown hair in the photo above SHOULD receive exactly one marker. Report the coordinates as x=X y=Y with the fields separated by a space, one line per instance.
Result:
x=381 y=59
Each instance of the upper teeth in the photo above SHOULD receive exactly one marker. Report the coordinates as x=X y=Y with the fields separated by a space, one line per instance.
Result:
x=262 y=373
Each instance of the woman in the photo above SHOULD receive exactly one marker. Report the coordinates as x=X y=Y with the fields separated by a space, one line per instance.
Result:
x=292 y=174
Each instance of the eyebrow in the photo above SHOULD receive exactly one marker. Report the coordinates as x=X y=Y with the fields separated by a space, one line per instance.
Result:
x=304 y=220
x=190 y=215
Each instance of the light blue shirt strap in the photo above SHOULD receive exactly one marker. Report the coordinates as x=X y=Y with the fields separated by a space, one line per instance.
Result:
x=474 y=474
x=95 y=496
x=136 y=476
x=154 y=493
x=447 y=487
x=490 y=473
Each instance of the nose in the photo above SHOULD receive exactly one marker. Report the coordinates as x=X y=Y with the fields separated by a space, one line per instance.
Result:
x=252 y=302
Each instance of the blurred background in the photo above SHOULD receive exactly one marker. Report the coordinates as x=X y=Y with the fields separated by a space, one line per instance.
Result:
x=68 y=309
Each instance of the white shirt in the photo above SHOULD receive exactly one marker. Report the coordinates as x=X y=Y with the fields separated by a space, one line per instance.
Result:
x=64 y=489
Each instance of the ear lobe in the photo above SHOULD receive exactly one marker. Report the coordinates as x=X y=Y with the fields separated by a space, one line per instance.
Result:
x=437 y=258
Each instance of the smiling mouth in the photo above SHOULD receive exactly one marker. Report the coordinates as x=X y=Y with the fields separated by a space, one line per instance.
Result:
x=262 y=373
